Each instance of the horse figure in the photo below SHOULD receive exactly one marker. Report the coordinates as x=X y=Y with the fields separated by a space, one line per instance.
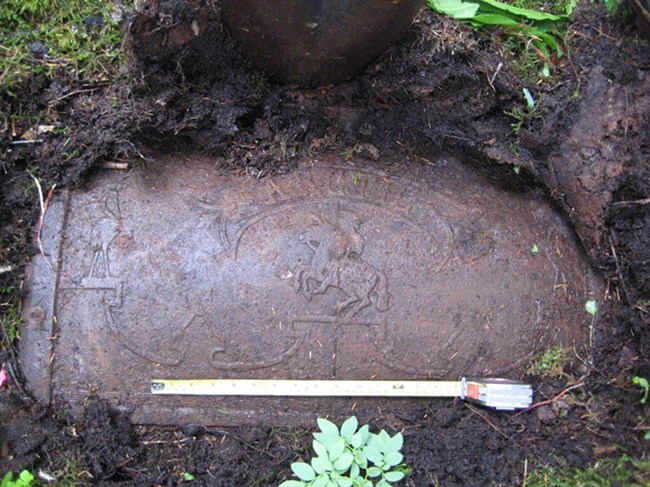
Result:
x=337 y=263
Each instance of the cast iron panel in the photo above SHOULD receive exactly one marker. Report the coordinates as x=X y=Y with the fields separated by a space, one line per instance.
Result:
x=334 y=271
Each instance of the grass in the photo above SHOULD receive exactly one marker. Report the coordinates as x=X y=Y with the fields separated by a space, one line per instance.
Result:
x=623 y=471
x=10 y=320
x=40 y=37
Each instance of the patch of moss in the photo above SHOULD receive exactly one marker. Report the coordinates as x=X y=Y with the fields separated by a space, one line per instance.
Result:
x=548 y=364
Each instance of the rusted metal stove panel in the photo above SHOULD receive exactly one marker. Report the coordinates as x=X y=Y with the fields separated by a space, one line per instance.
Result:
x=332 y=271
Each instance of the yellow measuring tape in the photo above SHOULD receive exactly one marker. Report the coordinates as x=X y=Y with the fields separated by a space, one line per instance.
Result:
x=265 y=387
x=495 y=393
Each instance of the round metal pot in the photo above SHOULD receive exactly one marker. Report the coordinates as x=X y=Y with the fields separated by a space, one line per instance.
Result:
x=314 y=42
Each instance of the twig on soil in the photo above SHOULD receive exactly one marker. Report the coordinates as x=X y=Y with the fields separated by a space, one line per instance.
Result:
x=549 y=401
x=525 y=472
x=496 y=72
x=44 y=205
x=22 y=142
x=165 y=442
x=645 y=201
x=495 y=428
x=120 y=166
x=618 y=271
x=259 y=450
x=77 y=92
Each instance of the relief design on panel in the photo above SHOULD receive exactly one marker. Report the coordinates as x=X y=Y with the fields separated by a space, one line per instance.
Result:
x=337 y=262
x=257 y=286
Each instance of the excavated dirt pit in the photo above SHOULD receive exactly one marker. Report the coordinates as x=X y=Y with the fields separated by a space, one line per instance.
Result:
x=337 y=270
x=445 y=89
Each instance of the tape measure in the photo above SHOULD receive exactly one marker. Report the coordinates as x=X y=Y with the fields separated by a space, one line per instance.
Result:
x=500 y=394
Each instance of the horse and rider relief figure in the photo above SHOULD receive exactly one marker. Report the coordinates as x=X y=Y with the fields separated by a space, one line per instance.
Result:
x=337 y=264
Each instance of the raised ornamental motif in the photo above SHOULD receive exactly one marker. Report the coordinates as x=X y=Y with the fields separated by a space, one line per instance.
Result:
x=337 y=262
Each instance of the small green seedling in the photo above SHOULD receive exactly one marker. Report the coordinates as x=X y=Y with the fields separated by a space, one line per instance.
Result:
x=25 y=479
x=591 y=307
x=350 y=457
x=521 y=115
x=534 y=249
x=642 y=382
x=530 y=101
x=188 y=477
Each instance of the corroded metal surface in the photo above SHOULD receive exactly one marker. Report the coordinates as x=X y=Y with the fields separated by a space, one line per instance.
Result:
x=331 y=271
x=317 y=41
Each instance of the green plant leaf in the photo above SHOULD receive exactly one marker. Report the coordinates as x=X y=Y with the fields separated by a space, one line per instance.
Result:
x=360 y=458
x=494 y=19
x=355 y=471
x=357 y=440
x=304 y=471
x=383 y=436
x=327 y=427
x=344 y=482
x=27 y=477
x=374 y=472
x=365 y=432
x=327 y=440
x=591 y=307
x=456 y=9
x=373 y=454
x=6 y=480
x=319 y=448
x=322 y=481
x=523 y=12
x=319 y=465
x=349 y=427
x=394 y=476
x=188 y=477
x=642 y=382
x=393 y=458
x=292 y=483
x=530 y=101
x=374 y=441
x=534 y=249
x=336 y=449
x=544 y=39
x=394 y=444
x=343 y=462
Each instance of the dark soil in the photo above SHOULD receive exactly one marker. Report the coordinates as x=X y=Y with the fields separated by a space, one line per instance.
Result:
x=444 y=89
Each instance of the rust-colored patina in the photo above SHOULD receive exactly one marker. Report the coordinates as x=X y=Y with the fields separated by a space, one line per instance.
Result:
x=317 y=41
x=334 y=271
